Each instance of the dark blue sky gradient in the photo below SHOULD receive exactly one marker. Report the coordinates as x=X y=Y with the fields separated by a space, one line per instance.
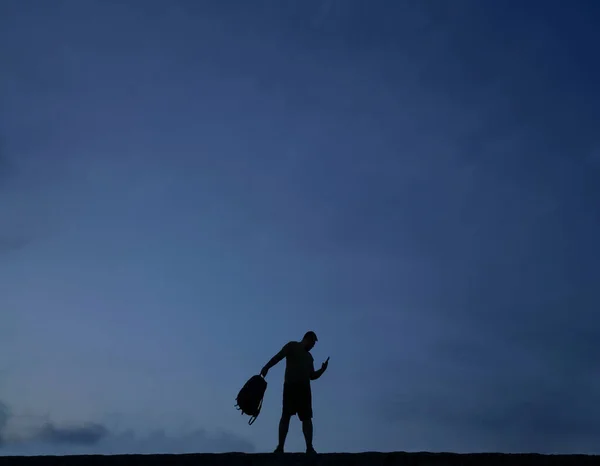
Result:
x=185 y=186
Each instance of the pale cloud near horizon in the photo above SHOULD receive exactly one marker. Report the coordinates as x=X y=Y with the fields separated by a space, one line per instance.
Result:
x=37 y=435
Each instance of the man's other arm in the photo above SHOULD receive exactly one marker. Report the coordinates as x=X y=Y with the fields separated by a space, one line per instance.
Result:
x=314 y=375
x=275 y=360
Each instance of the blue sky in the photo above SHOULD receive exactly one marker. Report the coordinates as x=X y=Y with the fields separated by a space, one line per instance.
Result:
x=186 y=186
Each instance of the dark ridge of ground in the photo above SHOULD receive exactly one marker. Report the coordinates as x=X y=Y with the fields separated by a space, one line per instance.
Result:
x=293 y=459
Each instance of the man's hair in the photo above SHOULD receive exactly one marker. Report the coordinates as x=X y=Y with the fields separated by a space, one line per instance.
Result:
x=310 y=335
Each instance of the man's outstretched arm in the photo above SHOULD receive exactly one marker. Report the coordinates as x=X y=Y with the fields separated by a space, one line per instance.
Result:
x=274 y=360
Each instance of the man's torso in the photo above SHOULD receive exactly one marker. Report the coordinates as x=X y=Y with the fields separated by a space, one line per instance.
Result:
x=299 y=364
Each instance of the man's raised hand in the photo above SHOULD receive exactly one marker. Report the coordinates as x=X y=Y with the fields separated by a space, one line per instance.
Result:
x=325 y=364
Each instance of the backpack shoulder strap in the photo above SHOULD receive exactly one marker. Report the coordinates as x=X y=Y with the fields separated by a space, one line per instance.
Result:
x=253 y=418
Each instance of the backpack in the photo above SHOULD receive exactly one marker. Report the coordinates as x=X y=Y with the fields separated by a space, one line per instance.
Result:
x=250 y=398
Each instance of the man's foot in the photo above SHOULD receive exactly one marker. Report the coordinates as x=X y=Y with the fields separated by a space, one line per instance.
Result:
x=310 y=451
x=279 y=449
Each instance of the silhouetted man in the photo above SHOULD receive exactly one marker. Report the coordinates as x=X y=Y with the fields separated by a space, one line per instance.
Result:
x=297 y=396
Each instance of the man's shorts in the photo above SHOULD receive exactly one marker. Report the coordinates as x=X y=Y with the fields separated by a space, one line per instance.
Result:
x=297 y=399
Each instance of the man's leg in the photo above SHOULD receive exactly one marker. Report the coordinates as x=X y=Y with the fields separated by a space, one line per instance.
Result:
x=307 y=430
x=286 y=414
x=305 y=414
x=284 y=425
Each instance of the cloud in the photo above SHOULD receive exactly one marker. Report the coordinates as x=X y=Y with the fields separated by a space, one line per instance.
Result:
x=505 y=416
x=3 y=159
x=8 y=244
x=159 y=441
x=96 y=439
x=34 y=435
x=22 y=202
x=7 y=167
x=4 y=416
x=89 y=434
x=23 y=430
x=523 y=386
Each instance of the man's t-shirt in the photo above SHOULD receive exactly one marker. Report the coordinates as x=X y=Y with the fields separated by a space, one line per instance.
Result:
x=299 y=363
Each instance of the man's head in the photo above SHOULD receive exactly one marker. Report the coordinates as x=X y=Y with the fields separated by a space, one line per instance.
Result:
x=309 y=340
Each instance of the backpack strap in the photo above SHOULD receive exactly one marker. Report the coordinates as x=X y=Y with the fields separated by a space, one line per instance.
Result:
x=253 y=418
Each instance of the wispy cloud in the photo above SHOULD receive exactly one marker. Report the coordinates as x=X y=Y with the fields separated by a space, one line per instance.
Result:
x=9 y=241
x=36 y=435
x=12 y=243
x=512 y=381
x=23 y=430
